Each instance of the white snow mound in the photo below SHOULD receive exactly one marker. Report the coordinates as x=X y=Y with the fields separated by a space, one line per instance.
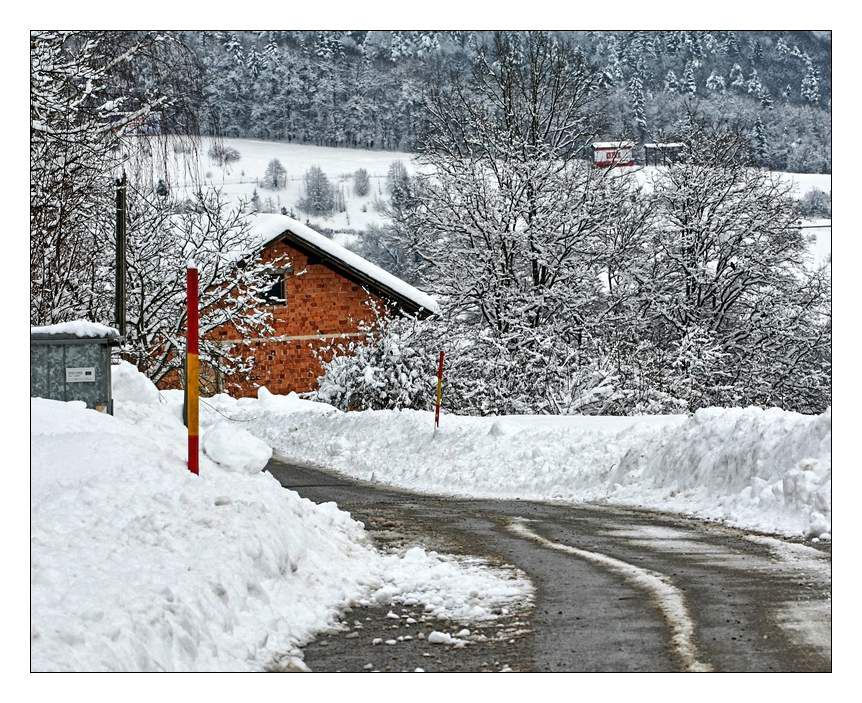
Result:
x=235 y=449
x=130 y=385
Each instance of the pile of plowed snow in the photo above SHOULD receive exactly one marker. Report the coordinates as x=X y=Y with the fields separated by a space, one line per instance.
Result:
x=767 y=470
x=139 y=565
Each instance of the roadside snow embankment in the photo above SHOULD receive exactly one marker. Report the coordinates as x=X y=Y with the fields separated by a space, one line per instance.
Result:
x=138 y=565
x=768 y=470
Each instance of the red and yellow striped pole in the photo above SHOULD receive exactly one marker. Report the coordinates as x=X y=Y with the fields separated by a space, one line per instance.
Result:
x=439 y=391
x=192 y=367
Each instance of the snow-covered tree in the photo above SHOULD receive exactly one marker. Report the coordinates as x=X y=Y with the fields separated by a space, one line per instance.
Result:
x=164 y=234
x=759 y=141
x=392 y=366
x=731 y=263
x=319 y=198
x=614 y=69
x=275 y=176
x=811 y=83
x=689 y=78
x=361 y=182
x=715 y=83
x=77 y=133
x=636 y=90
x=737 y=77
x=502 y=225
x=754 y=86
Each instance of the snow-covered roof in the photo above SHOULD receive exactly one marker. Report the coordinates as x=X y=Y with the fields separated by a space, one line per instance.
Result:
x=666 y=145
x=267 y=227
x=76 y=328
x=613 y=145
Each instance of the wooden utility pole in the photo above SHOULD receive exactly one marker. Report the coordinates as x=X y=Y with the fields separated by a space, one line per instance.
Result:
x=120 y=284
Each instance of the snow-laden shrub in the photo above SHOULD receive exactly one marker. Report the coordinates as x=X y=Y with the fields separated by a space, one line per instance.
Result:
x=391 y=367
x=222 y=154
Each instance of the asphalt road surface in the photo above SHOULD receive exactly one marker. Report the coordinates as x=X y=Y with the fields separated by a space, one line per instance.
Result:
x=616 y=589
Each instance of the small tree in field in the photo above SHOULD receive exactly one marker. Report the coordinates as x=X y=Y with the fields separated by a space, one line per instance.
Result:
x=275 y=176
x=319 y=195
x=361 y=182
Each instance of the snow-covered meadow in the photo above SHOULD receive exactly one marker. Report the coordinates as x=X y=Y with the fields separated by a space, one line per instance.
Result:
x=240 y=179
x=766 y=470
x=138 y=565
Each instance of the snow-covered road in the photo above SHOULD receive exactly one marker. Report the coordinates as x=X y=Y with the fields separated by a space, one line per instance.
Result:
x=617 y=589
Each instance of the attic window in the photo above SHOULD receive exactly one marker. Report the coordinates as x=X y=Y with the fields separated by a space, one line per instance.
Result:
x=275 y=295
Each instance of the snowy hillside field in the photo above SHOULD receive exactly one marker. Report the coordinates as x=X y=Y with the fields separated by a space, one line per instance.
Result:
x=767 y=470
x=136 y=564
x=241 y=178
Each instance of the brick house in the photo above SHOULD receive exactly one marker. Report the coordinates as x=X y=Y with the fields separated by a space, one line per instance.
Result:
x=318 y=300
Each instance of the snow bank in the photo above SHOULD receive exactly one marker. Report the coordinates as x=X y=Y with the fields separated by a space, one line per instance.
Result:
x=78 y=328
x=138 y=565
x=769 y=470
x=765 y=469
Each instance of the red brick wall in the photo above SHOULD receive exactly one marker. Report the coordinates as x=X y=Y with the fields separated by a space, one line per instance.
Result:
x=320 y=302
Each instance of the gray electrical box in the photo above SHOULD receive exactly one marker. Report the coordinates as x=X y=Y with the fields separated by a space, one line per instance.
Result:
x=68 y=367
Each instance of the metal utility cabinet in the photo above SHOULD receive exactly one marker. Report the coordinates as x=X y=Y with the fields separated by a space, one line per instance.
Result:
x=69 y=367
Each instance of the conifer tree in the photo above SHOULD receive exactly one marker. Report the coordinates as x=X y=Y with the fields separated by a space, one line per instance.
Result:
x=715 y=83
x=811 y=83
x=319 y=196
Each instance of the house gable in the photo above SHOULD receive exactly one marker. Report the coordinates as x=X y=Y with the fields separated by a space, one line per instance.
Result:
x=269 y=229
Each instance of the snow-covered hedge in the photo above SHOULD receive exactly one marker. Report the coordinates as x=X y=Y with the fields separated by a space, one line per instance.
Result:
x=769 y=470
x=139 y=565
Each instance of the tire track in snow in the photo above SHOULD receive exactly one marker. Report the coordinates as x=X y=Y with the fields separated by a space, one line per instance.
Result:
x=669 y=599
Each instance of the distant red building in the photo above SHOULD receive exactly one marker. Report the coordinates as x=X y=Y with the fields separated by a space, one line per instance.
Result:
x=610 y=154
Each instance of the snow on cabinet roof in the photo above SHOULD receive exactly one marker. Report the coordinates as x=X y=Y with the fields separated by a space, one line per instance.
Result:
x=267 y=227
x=664 y=145
x=76 y=328
x=612 y=145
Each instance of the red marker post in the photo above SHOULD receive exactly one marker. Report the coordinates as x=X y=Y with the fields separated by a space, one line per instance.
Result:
x=192 y=367
x=439 y=391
